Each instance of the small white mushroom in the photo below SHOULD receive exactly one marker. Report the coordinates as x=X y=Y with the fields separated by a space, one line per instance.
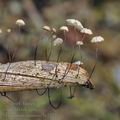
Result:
x=0 y=31
x=8 y=30
x=70 y=22
x=58 y=41
x=47 y=28
x=79 y=43
x=78 y=25
x=20 y=22
x=75 y=23
x=78 y=63
x=54 y=30
x=97 y=39
x=54 y=36
x=64 y=28
x=86 y=31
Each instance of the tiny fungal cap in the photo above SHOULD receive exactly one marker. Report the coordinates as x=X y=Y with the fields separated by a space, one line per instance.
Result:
x=86 y=31
x=79 y=43
x=47 y=28
x=54 y=30
x=54 y=36
x=78 y=63
x=8 y=30
x=75 y=23
x=64 y=28
x=70 y=22
x=20 y=22
x=0 y=31
x=97 y=39
x=58 y=41
x=79 y=25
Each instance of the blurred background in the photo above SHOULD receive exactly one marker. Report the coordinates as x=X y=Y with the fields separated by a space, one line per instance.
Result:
x=102 y=17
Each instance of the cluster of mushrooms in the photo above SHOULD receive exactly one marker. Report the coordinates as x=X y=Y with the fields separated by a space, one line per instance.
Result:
x=76 y=25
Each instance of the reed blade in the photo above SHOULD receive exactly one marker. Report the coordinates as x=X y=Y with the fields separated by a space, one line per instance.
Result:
x=25 y=75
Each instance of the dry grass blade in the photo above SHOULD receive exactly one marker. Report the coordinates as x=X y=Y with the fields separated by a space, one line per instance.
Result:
x=25 y=75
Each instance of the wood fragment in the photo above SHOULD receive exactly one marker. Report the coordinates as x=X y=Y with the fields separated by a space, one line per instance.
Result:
x=25 y=75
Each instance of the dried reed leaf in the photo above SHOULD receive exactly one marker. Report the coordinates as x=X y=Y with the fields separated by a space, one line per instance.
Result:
x=25 y=75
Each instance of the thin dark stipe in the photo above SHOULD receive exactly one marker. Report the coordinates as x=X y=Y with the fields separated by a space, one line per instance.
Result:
x=51 y=45
x=42 y=93
x=10 y=58
x=72 y=93
x=59 y=53
x=48 y=58
x=88 y=84
x=56 y=71
x=50 y=102
x=6 y=71
x=35 y=54
x=46 y=54
x=78 y=71
x=67 y=69
x=81 y=61
x=4 y=94
x=92 y=71
x=94 y=65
